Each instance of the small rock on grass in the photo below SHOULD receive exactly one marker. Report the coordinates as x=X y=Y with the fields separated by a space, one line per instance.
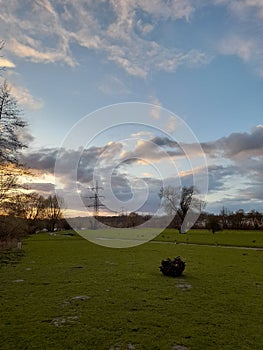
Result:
x=130 y=346
x=59 y=321
x=183 y=286
x=179 y=347
x=80 y=297
x=18 y=281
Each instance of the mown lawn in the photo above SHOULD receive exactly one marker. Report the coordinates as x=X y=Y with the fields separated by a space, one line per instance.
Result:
x=228 y=237
x=67 y=293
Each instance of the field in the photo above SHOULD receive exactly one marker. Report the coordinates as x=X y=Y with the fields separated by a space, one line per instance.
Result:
x=123 y=238
x=64 y=292
x=227 y=238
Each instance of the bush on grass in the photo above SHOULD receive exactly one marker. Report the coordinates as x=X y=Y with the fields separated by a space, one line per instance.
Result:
x=173 y=268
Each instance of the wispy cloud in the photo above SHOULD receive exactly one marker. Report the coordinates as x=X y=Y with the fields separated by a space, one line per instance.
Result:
x=21 y=93
x=248 y=49
x=112 y=85
x=244 y=7
x=156 y=108
x=244 y=38
x=34 y=55
x=6 y=63
x=120 y=31
x=25 y=99
x=43 y=32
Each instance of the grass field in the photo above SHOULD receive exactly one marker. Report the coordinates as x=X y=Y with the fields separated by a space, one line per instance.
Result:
x=67 y=293
x=227 y=237
x=123 y=238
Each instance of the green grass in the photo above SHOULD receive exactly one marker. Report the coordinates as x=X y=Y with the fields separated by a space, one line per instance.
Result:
x=227 y=237
x=10 y=256
x=216 y=304
x=123 y=238
x=120 y=238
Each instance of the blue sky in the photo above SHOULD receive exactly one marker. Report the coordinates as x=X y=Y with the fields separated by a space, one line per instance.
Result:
x=202 y=60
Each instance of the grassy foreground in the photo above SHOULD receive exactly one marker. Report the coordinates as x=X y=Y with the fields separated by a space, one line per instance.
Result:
x=67 y=293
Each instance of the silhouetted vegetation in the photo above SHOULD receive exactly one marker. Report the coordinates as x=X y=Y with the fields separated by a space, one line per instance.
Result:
x=180 y=203
x=172 y=267
x=213 y=224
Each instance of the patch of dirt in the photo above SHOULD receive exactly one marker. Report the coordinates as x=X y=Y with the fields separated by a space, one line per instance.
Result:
x=62 y=320
x=18 y=281
x=130 y=346
x=179 y=347
x=80 y=297
x=76 y=298
x=110 y=263
x=184 y=286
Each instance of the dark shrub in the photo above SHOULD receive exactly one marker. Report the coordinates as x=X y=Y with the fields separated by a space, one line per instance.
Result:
x=173 y=267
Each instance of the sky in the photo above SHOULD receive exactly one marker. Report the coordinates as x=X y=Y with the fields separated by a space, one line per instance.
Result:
x=187 y=73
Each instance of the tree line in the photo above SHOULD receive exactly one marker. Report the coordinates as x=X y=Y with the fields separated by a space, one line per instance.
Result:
x=178 y=202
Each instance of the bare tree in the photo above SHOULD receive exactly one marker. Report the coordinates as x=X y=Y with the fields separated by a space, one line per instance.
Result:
x=10 y=125
x=30 y=208
x=52 y=211
x=10 y=183
x=181 y=202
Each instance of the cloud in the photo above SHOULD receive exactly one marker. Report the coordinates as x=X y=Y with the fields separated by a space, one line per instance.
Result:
x=121 y=32
x=144 y=28
x=21 y=93
x=6 y=63
x=44 y=32
x=244 y=7
x=243 y=144
x=235 y=45
x=25 y=136
x=254 y=193
x=121 y=186
x=104 y=163
x=36 y=56
x=232 y=204
x=218 y=176
x=248 y=49
x=237 y=146
x=175 y=9
x=25 y=99
x=151 y=151
x=156 y=108
x=235 y=168
x=41 y=187
x=244 y=38
x=111 y=85
x=142 y=135
x=165 y=141
x=43 y=159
